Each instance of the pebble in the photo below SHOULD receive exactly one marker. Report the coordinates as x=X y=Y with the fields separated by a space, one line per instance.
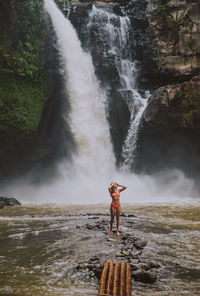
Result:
x=109 y=239
x=140 y=244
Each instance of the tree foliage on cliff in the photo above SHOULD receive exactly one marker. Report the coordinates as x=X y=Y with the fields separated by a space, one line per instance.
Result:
x=22 y=37
x=22 y=93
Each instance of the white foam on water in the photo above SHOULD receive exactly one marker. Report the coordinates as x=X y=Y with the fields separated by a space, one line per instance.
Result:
x=87 y=115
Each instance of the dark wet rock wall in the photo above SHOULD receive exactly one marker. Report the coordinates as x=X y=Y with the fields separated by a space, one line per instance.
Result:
x=170 y=129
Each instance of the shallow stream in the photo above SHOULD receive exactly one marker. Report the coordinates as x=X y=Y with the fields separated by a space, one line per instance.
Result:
x=40 y=246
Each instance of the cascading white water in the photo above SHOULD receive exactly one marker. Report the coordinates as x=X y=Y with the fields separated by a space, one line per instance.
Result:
x=94 y=162
x=87 y=116
x=117 y=31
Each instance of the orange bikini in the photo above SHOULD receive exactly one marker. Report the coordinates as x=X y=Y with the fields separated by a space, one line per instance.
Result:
x=115 y=195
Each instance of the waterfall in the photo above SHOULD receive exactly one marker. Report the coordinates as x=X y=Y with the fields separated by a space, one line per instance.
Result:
x=88 y=123
x=117 y=43
x=93 y=168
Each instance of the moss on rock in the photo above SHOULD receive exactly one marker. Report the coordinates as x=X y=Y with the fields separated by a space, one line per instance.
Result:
x=22 y=75
x=186 y=103
x=21 y=102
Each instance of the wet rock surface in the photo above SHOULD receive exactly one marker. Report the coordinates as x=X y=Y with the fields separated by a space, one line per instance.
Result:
x=172 y=116
x=8 y=201
x=173 y=38
x=127 y=247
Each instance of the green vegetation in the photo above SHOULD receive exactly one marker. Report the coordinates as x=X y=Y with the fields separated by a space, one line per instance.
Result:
x=187 y=104
x=163 y=10
x=161 y=7
x=22 y=58
x=21 y=108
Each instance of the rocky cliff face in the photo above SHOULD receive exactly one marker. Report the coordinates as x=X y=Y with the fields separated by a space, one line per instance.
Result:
x=169 y=130
x=174 y=38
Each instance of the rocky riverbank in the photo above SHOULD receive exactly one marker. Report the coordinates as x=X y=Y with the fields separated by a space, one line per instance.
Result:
x=127 y=247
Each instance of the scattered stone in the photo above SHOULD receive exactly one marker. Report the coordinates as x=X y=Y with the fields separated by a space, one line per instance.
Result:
x=144 y=276
x=137 y=273
x=140 y=244
x=94 y=259
x=119 y=254
x=135 y=255
x=126 y=253
x=129 y=224
x=154 y=264
x=134 y=266
x=93 y=218
x=89 y=226
x=145 y=266
x=135 y=261
x=1 y=205
x=109 y=239
x=98 y=272
x=124 y=237
x=129 y=249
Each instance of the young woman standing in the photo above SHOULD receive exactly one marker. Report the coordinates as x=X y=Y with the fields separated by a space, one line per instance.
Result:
x=115 y=206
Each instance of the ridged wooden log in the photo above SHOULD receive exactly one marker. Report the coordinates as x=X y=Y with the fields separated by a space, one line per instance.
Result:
x=110 y=278
x=103 y=279
x=128 y=279
x=116 y=279
x=122 y=279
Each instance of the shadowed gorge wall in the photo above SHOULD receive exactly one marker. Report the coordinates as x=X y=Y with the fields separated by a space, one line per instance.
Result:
x=169 y=128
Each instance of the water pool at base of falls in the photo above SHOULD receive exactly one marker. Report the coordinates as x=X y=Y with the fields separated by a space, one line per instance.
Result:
x=40 y=247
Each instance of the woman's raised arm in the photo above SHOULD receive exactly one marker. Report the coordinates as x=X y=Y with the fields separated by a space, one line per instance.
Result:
x=110 y=187
x=123 y=187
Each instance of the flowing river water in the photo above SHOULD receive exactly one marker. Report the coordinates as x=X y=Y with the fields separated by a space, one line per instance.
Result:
x=40 y=246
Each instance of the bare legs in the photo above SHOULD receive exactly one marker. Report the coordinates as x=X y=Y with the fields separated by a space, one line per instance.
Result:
x=118 y=210
x=112 y=213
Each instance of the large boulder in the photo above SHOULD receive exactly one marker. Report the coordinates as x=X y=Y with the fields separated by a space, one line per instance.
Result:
x=169 y=129
x=144 y=276
x=8 y=201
